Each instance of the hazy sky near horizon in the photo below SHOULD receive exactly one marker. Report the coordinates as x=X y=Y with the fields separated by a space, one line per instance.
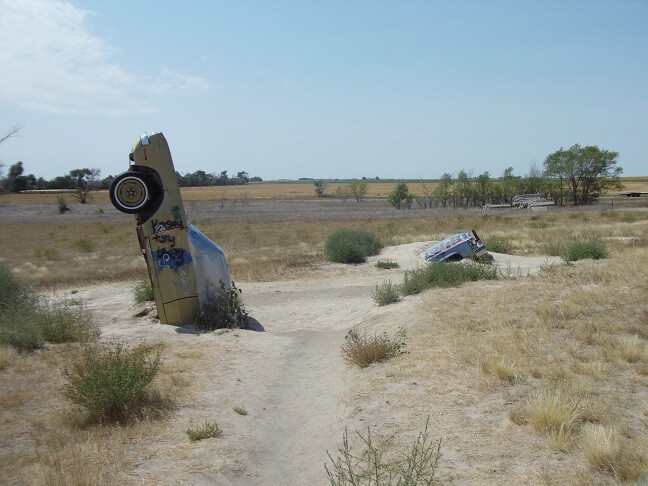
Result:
x=323 y=89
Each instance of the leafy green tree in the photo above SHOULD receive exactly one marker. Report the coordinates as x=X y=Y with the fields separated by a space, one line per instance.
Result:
x=484 y=187
x=400 y=197
x=587 y=171
x=464 y=188
x=443 y=191
x=320 y=188
x=84 y=181
x=358 y=189
x=508 y=185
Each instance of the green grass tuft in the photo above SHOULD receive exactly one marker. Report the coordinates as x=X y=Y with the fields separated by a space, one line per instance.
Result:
x=142 y=291
x=445 y=274
x=386 y=264
x=583 y=248
x=386 y=293
x=498 y=244
x=351 y=246
x=207 y=430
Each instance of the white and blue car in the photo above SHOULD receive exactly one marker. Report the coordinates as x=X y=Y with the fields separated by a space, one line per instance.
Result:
x=455 y=248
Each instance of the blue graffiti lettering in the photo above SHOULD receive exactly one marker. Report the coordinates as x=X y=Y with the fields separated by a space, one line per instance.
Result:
x=173 y=258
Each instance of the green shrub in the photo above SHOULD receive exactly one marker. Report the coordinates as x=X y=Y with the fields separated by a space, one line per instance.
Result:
x=85 y=244
x=498 y=244
x=207 y=430
x=223 y=310
x=62 y=205
x=386 y=264
x=13 y=292
x=142 y=291
x=65 y=322
x=19 y=327
x=26 y=320
x=111 y=382
x=362 y=349
x=369 y=468
x=445 y=274
x=582 y=248
x=351 y=246
x=385 y=293
x=629 y=218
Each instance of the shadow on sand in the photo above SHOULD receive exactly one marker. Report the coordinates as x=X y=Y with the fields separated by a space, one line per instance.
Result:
x=253 y=325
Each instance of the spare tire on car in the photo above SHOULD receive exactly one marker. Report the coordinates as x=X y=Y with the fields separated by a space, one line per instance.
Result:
x=131 y=192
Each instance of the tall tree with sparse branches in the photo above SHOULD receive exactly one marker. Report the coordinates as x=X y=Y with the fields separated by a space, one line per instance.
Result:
x=587 y=171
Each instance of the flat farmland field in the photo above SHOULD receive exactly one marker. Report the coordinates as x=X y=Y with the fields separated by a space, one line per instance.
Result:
x=277 y=190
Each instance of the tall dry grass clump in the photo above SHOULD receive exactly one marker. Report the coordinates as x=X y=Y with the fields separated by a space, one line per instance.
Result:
x=606 y=450
x=364 y=349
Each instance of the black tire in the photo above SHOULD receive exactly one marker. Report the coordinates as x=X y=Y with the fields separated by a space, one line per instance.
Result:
x=130 y=192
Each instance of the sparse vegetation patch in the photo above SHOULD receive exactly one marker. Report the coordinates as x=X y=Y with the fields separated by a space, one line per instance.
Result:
x=142 y=290
x=385 y=293
x=370 y=467
x=351 y=246
x=27 y=320
x=223 y=310
x=111 y=381
x=363 y=349
x=445 y=274
x=208 y=430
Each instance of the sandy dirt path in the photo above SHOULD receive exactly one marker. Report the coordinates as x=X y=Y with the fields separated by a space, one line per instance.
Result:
x=287 y=373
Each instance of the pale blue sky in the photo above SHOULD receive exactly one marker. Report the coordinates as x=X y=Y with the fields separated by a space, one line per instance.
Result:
x=400 y=89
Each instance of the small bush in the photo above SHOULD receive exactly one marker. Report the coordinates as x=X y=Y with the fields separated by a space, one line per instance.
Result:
x=580 y=249
x=385 y=293
x=445 y=274
x=498 y=244
x=207 y=430
x=85 y=244
x=362 y=349
x=65 y=322
x=223 y=310
x=111 y=382
x=142 y=291
x=51 y=254
x=351 y=246
x=369 y=468
x=386 y=264
x=62 y=205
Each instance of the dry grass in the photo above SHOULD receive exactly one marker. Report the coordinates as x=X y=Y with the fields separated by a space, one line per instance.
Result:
x=8 y=356
x=566 y=348
x=279 y=250
x=607 y=450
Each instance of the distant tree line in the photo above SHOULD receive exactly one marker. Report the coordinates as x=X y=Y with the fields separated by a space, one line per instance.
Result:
x=88 y=179
x=577 y=176
x=201 y=178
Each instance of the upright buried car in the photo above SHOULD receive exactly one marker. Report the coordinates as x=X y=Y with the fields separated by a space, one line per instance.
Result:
x=455 y=248
x=185 y=266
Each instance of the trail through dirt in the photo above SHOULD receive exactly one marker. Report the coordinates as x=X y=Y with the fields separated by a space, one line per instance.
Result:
x=287 y=373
